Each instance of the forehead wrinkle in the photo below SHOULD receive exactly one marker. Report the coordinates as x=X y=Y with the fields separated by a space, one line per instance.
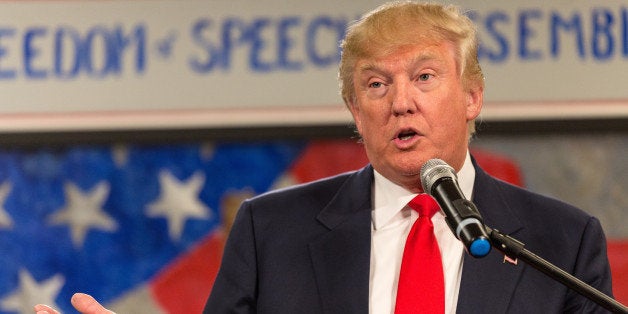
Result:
x=376 y=65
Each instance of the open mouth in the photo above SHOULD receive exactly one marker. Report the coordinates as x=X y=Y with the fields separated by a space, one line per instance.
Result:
x=406 y=135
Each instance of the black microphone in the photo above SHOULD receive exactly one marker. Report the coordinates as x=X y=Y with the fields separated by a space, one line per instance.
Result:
x=441 y=182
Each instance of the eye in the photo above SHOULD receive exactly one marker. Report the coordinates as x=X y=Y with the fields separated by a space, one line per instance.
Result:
x=376 y=85
x=376 y=89
x=425 y=76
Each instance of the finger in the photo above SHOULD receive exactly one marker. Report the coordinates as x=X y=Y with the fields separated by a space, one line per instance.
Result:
x=44 y=309
x=86 y=304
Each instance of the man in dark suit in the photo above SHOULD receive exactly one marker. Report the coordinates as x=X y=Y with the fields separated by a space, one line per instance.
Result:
x=410 y=77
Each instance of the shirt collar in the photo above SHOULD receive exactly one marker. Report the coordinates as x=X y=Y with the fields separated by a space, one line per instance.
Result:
x=389 y=199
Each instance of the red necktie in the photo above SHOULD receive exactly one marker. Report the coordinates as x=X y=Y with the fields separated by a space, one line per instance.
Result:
x=421 y=286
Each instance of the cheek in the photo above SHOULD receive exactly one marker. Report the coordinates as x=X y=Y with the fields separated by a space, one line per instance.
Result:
x=372 y=124
x=448 y=121
x=455 y=110
x=367 y=119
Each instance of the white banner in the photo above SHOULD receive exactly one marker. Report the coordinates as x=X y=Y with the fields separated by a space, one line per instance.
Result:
x=82 y=65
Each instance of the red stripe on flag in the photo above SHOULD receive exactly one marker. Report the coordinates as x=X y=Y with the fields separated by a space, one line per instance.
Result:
x=498 y=166
x=618 y=257
x=326 y=158
x=183 y=286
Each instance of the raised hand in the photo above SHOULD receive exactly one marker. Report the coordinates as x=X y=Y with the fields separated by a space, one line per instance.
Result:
x=84 y=303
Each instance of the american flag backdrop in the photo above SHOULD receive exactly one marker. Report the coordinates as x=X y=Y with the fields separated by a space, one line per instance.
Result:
x=142 y=227
x=109 y=220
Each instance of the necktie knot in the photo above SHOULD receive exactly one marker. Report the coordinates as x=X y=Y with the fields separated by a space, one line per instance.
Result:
x=425 y=205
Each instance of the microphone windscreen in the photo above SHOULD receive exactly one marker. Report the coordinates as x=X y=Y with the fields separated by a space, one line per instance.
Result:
x=432 y=171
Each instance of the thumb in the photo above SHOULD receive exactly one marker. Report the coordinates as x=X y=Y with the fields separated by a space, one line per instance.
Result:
x=86 y=304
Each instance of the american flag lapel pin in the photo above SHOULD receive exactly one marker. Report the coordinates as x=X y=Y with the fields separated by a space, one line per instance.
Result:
x=509 y=260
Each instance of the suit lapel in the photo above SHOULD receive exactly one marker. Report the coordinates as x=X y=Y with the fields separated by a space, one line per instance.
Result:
x=341 y=258
x=488 y=283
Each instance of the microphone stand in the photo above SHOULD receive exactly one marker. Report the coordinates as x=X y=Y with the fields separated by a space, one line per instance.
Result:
x=514 y=249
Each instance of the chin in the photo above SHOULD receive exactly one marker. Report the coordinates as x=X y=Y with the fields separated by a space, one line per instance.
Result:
x=412 y=174
x=411 y=166
x=410 y=171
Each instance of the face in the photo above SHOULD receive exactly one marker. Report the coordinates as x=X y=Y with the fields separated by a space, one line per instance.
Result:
x=411 y=106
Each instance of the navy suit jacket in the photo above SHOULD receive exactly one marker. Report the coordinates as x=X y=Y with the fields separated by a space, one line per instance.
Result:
x=306 y=249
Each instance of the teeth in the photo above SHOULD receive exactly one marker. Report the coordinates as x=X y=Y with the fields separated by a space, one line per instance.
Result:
x=405 y=137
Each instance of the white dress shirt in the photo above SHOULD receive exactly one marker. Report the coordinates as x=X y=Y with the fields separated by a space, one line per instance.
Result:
x=391 y=223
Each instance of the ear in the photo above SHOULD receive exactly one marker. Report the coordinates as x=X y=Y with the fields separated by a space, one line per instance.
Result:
x=475 y=99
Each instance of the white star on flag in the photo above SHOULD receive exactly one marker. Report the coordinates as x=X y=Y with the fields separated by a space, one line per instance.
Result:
x=5 y=220
x=30 y=293
x=84 y=211
x=178 y=201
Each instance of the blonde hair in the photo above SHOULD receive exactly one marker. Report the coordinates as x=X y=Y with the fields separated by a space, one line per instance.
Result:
x=397 y=24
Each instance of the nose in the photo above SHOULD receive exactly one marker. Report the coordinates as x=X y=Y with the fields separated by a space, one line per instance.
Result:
x=402 y=101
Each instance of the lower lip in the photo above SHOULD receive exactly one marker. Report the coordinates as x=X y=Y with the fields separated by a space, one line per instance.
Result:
x=406 y=143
